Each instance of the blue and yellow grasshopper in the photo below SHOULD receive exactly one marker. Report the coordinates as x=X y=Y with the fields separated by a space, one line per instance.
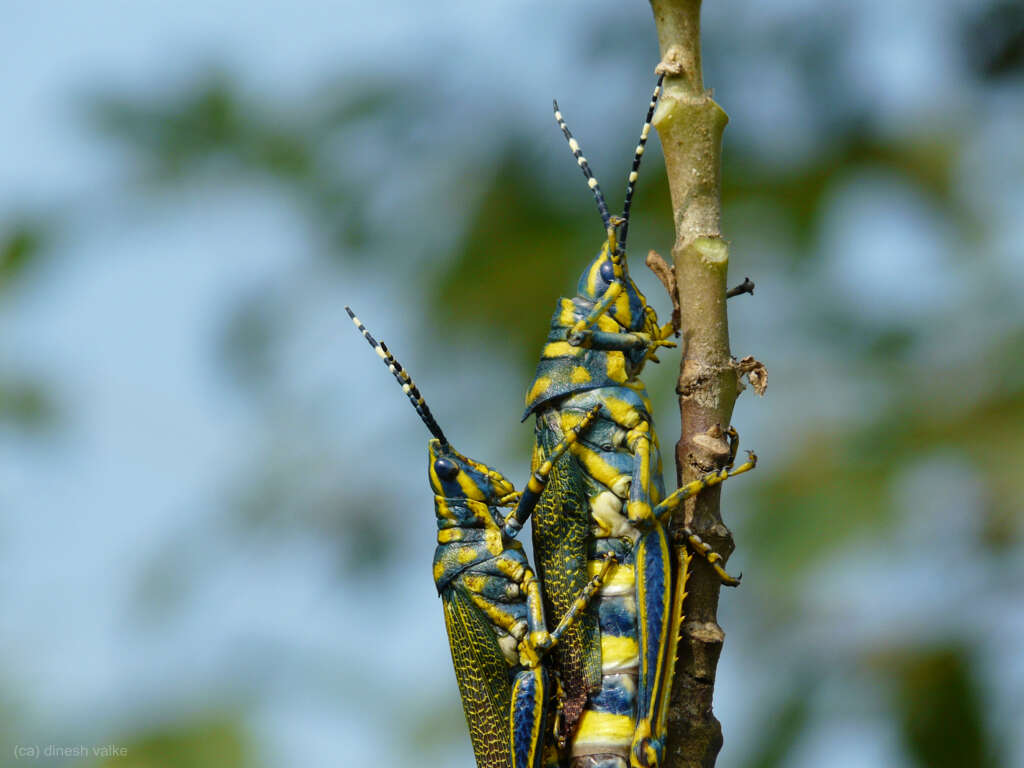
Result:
x=606 y=496
x=492 y=601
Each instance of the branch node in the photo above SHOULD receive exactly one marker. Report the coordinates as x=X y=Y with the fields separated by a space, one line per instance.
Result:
x=719 y=530
x=711 y=450
x=707 y=632
x=705 y=639
x=713 y=251
x=672 y=62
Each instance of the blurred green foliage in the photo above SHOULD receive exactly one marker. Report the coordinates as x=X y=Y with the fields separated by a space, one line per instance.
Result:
x=217 y=740
x=994 y=39
x=26 y=405
x=782 y=731
x=518 y=229
x=797 y=193
x=19 y=247
x=26 y=402
x=214 y=130
x=935 y=691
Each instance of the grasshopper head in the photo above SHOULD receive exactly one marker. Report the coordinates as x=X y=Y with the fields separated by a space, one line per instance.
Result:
x=455 y=476
x=630 y=307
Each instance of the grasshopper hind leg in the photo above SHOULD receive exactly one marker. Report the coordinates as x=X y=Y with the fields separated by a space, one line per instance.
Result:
x=529 y=717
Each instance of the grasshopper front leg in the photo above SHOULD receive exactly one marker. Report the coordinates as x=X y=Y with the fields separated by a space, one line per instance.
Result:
x=599 y=309
x=539 y=479
x=620 y=341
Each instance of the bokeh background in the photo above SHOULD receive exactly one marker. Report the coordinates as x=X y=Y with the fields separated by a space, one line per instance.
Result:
x=216 y=533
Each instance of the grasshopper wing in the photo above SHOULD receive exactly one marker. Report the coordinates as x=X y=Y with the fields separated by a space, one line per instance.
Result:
x=561 y=526
x=483 y=677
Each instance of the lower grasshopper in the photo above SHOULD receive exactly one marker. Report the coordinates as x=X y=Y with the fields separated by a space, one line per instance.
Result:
x=492 y=601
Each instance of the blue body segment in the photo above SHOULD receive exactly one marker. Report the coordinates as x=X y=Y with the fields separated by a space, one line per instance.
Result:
x=617 y=695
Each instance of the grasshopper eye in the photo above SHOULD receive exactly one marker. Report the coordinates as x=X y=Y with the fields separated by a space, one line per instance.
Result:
x=607 y=272
x=446 y=469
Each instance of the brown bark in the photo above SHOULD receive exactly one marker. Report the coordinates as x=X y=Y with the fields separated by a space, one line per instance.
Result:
x=690 y=126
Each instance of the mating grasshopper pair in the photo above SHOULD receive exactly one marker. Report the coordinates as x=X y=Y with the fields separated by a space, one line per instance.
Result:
x=598 y=506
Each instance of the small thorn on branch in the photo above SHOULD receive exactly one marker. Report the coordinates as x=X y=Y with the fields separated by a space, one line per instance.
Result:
x=747 y=286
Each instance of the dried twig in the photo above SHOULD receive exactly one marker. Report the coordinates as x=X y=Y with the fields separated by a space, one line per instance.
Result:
x=747 y=286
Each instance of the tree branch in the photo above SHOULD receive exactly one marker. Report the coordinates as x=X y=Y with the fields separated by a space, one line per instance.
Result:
x=690 y=125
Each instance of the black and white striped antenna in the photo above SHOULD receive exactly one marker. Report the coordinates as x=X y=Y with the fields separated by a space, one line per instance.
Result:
x=637 y=156
x=574 y=147
x=403 y=378
x=611 y=222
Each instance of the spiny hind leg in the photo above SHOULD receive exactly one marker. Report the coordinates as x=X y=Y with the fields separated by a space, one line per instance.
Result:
x=649 y=740
x=528 y=717
x=654 y=605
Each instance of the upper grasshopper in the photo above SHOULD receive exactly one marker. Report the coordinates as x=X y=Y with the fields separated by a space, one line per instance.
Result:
x=606 y=496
